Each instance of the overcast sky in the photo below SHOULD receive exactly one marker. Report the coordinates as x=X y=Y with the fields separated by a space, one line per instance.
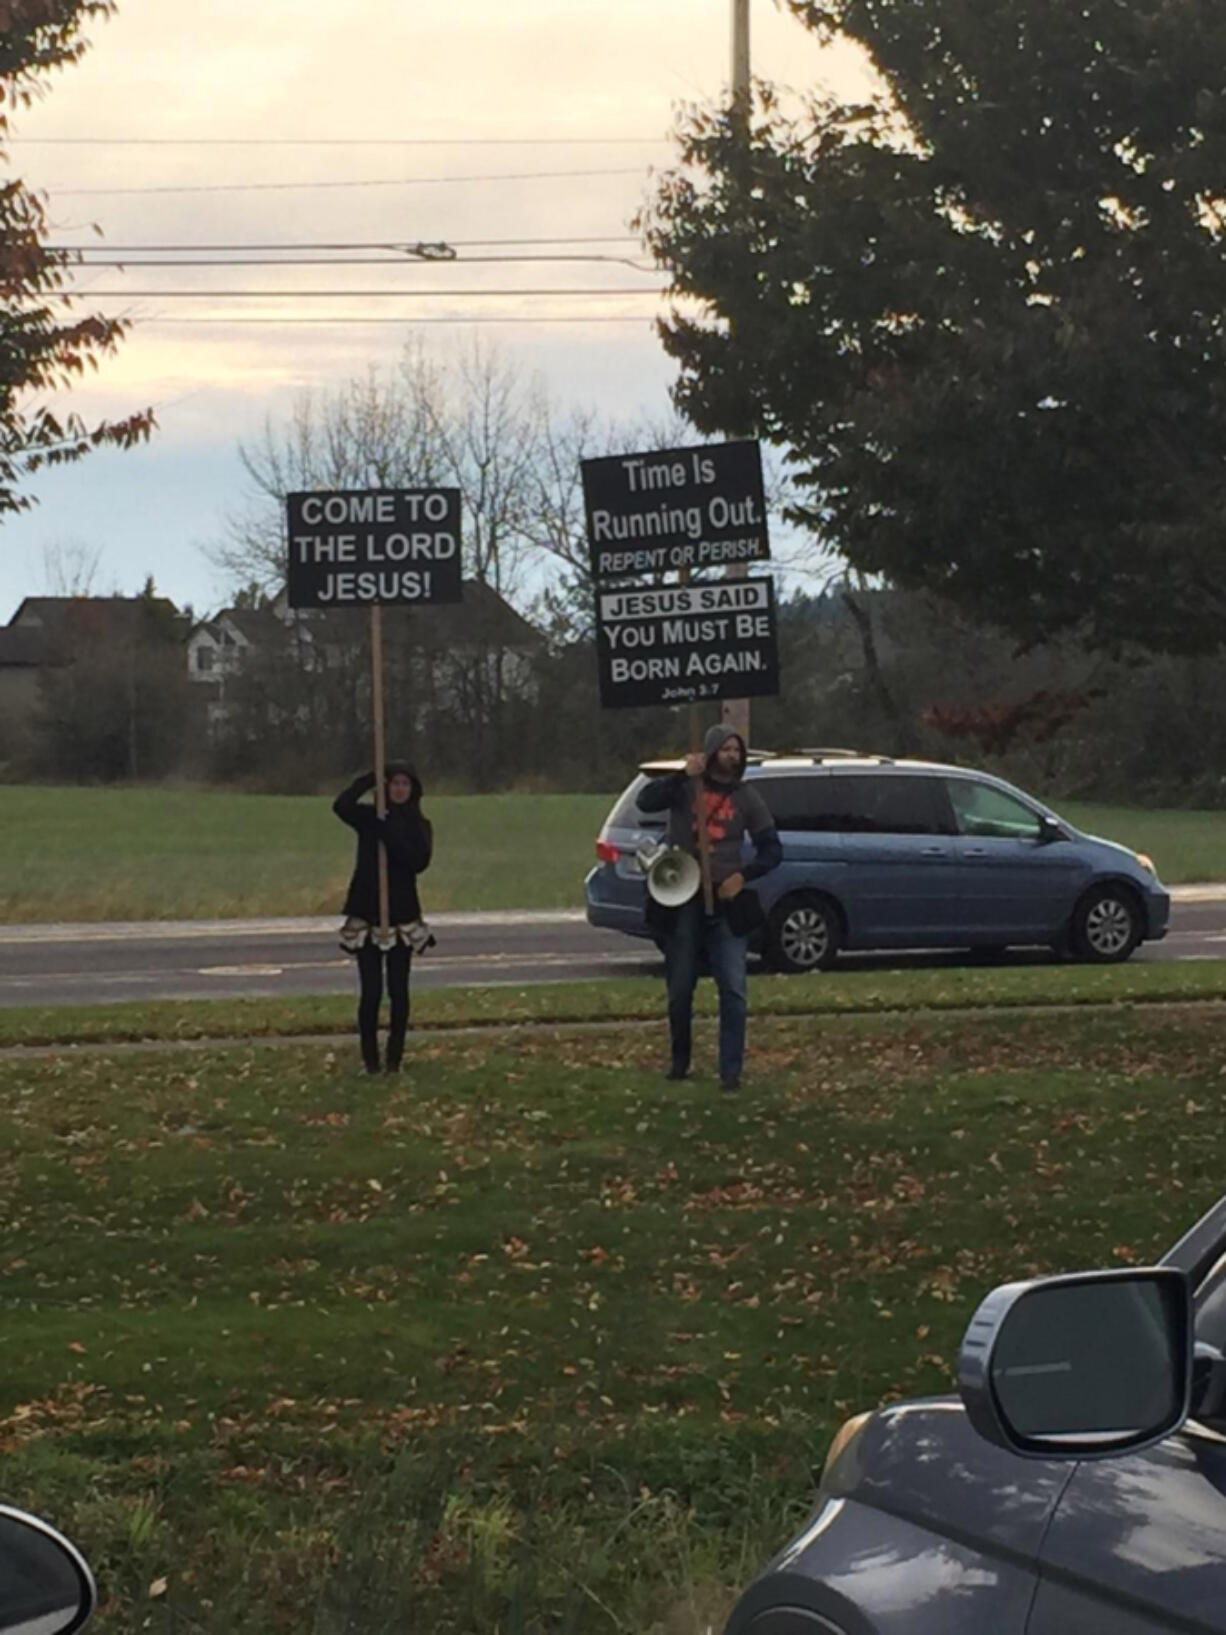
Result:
x=588 y=87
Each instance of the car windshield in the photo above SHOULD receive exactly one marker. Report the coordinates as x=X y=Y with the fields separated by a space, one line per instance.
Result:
x=1211 y=1307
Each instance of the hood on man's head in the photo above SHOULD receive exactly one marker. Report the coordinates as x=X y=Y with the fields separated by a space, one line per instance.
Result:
x=717 y=737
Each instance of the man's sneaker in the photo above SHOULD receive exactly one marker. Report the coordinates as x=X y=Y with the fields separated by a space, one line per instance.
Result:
x=730 y=1085
x=677 y=1071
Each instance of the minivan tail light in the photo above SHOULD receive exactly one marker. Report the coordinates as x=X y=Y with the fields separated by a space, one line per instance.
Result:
x=607 y=852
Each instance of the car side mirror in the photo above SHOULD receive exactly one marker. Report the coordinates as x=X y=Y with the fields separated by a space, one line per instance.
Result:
x=46 y=1588
x=1049 y=830
x=1080 y=1367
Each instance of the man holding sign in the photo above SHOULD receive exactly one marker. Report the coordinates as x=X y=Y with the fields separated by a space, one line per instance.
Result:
x=711 y=793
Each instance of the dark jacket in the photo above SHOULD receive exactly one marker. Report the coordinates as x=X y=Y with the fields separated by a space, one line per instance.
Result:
x=409 y=840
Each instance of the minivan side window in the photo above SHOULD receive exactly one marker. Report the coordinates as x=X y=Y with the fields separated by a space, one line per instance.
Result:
x=982 y=810
x=896 y=804
x=811 y=804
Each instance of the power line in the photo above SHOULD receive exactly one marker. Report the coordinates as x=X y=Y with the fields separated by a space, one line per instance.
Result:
x=354 y=318
x=370 y=261
x=458 y=243
x=339 y=141
x=333 y=295
x=375 y=181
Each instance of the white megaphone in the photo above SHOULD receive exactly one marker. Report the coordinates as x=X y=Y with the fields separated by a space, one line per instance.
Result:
x=673 y=876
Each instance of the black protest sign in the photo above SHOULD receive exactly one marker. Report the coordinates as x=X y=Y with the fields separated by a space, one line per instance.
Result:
x=695 y=508
x=380 y=547
x=683 y=643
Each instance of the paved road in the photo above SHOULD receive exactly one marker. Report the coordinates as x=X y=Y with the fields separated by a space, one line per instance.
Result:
x=67 y=965
x=94 y=964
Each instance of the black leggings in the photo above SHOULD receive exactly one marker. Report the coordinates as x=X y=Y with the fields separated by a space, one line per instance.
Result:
x=370 y=970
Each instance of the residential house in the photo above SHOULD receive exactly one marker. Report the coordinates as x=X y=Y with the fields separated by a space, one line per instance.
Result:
x=442 y=650
x=47 y=633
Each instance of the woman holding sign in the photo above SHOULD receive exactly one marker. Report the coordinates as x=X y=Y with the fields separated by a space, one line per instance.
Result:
x=408 y=839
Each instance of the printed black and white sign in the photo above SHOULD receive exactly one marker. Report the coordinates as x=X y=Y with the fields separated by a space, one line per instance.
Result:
x=688 y=642
x=383 y=547
x=698 y=508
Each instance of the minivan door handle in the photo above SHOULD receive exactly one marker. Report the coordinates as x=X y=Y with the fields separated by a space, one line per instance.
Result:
x=933 y=851
x=975 y=851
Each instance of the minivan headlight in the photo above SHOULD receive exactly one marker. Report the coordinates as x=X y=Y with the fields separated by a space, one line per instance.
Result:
x=1146 y=862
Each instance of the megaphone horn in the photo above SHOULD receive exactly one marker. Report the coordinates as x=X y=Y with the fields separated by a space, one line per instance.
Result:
x=673 y=877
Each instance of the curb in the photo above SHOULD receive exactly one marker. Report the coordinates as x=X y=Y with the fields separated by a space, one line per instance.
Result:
x=200 y=930
x=1209 y=891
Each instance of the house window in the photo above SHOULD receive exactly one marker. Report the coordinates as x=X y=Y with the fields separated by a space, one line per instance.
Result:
x=204 y=659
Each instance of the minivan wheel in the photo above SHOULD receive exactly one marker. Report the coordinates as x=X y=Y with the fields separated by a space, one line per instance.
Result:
x=802 y=934
x=1106 y=925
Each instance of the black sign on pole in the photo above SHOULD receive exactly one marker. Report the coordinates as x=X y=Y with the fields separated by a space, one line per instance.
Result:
x=680 y=644
x=672 y=509
x=380 y=547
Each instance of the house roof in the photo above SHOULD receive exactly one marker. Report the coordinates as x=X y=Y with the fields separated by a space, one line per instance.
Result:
x=482 y=616
x=54 y=613
x=257 y=624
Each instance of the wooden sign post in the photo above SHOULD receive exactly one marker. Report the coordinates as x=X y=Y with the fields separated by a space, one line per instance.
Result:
x=700 y=817
x=376 y=693
x=696 y=797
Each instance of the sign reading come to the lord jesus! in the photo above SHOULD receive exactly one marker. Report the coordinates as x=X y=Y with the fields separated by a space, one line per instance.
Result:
x=374 y=548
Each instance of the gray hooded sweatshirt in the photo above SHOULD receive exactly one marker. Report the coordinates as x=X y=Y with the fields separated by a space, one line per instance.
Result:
x=732 y=811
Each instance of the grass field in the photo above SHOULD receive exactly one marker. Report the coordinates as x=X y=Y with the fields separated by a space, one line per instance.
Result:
x=532 y=1343
x=99 y=854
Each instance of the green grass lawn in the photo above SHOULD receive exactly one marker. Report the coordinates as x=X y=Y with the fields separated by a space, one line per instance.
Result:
x=99 y=854
x=530 y=1341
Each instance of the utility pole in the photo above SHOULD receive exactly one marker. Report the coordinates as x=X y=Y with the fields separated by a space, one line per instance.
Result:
x=740 y=58
x=734 y=712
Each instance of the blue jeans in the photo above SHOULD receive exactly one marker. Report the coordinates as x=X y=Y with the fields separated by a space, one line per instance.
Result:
x=692 y=937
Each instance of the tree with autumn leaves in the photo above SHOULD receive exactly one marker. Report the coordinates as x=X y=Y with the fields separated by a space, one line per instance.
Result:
x=984 y=308
x=44 y=347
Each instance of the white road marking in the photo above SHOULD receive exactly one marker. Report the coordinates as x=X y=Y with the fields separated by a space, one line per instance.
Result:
x=240 y=970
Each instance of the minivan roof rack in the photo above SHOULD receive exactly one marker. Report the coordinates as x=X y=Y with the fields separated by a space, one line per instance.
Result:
x=670 y=763
x=828 y=753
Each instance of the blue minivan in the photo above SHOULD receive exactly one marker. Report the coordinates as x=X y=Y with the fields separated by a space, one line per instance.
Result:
x=881 y=854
